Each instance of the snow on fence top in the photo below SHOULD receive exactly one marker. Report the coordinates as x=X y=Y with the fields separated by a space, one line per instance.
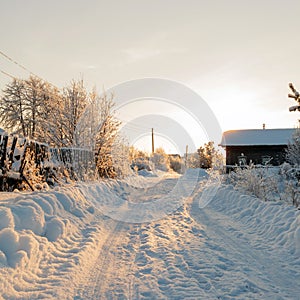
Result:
x=24 y=160
x=257 y=137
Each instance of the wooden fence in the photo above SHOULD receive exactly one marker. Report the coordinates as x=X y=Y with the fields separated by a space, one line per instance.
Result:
x=81 y=162
x=24 y=161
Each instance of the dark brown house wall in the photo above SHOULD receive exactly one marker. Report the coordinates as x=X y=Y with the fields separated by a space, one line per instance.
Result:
x=255 y=153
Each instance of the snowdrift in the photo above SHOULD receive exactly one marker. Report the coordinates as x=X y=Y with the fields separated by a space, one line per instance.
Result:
x=50 y=239
x=277 y=223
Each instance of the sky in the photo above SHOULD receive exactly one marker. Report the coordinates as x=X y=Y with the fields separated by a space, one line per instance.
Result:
x=238 y=55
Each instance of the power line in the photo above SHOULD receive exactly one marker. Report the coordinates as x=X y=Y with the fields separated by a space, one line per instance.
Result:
x=16 y=63
x=7 y=74
x=24 y=68
x=37 y=89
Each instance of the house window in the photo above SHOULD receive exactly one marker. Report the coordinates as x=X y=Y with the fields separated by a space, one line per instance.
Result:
x=242 y=159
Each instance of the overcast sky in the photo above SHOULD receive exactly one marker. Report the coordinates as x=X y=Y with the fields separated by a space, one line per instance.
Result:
x=239 y=56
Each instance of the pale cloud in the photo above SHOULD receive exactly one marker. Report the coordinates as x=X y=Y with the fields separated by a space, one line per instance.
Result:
x=138 y=54
x=141 y=54
x=83 y=66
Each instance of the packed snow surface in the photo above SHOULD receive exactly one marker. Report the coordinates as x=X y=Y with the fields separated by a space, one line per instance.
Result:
x=71 y=243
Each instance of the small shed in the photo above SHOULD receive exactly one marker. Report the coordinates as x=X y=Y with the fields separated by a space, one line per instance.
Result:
x=258 y=146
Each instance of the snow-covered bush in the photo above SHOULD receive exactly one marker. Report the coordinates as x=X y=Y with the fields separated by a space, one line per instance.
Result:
x=142 y=163
x=176 y=164
x=120 y=157
x=291 y=171
x=290 y=183
x=160 y=160
x=256 y=181
x=192 y=161
x=293 y=149
x=268 y=183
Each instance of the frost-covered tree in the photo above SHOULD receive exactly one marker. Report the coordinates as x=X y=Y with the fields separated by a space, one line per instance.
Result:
x=61 y=114
x=135 y=153
x=97 y=130
x=12 y=107
x=192 y=160
x=106 y=138
x=206 y=154
x=160 y=160
x=90 y=121
x=68 y=118
x=120 y=157
x=293 y=149
x=22 y=104
x=36 y=100
x=177 y=164
x=52 y=129
x=75 y=101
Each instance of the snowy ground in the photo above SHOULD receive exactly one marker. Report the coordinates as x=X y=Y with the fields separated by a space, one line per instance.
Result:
x=58 y=244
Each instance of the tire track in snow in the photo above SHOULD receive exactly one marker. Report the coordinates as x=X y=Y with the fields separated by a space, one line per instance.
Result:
x=114 y=266
x=112 y=275
x=97 y=278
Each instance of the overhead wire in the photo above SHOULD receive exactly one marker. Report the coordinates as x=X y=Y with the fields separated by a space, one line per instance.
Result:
x=7 y=74
x=37 y=89
x=16 y=63
x=129 y=124
x=24 y=68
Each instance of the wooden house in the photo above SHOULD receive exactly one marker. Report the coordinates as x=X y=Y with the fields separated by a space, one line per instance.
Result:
x=258 y=146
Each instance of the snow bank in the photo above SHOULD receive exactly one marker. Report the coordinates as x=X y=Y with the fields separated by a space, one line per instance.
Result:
x=6 y=218
x=16 y=249
x=276 y=222
x=43 y=215
x=50 y=239
x=46 y=237
x=43 y=236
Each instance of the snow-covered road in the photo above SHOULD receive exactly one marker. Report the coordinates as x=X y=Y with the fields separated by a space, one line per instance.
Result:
x=237 y=247
x=196 y=253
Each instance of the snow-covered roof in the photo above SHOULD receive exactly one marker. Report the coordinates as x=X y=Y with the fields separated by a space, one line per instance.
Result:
x=259 y=137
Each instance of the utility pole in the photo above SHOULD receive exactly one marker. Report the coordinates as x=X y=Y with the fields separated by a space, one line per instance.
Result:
x=152 y=140
x=186 y=154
